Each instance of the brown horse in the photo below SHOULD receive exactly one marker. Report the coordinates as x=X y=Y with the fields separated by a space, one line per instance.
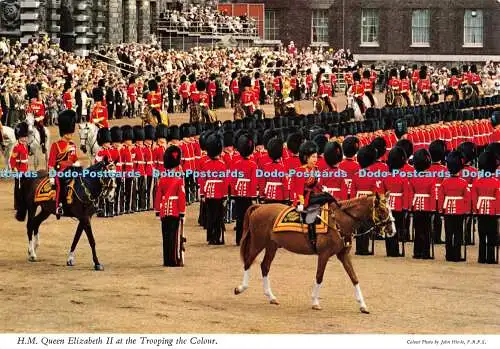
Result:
x=343 y=219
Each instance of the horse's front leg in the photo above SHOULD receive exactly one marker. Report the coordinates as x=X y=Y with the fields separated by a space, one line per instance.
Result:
x=90 y=237
x=71 y=256
x=320 y=272
x=346 y=261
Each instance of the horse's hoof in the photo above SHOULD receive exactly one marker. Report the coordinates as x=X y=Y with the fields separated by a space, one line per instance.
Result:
x=317 y=307
x=32 y=259
x=236 y=291
x=99 y=267
x=70 y=263
x=274 y=301
x=364 y=310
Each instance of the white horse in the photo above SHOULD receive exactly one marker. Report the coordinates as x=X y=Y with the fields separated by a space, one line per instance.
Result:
x=88 y=139
x=9 y=140
x=351 y=103
x=35 y=144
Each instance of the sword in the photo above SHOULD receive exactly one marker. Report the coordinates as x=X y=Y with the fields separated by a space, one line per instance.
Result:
x=181 y=240
x=432 y=233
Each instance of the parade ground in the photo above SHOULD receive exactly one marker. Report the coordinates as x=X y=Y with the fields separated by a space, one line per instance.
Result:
x=136 y=294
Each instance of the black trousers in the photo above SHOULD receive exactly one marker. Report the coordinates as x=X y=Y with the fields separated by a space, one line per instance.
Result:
x=172 y=242
x=469 y=230
x=454 y=226
x=17 y=192
x=127 y=195
x=215 y=221
x=436 y=228
x=392 y=243
x=190 y=186
x=111 y=108
x=422 y=244
x=118 y=197
x=139 y=194
x=149 y=184
x=43 y=136
x=488 y=238
x=202 y=216
x=241 y=204
x=185 y=102
x=363 y=243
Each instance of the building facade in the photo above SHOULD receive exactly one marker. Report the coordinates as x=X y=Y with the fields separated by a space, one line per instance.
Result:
x=387 y=29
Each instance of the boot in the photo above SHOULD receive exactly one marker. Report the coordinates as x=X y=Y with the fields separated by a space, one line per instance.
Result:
x=59 y=211
x=311 y=231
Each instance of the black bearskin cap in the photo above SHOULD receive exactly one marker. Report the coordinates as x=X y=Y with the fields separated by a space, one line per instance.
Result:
x=454 y=71
x=268 y=135
x=245 y=145
x=149 y=132
x=174 y=133
x=393 y=72
x=277 y=122
x=172 y=157
x=139 y=134
x=21 y=130
x=307 y=149
x=380 y=145
x=437 y=149
x=455 y=162
x=422 y=74
x=32 y=91
x=246 y=82
x=67 y=122
x=97 y=94
x=422 y=160
x=403 y=74
x=333 y=153
x=185 y=130
x=366 y=74
x=192 y=78
x=203 y=139
x=228 y=138
x=488 y=162
x=294 y=141
x=214 y=145
x=468 y=150
x=249 y=123
x=161 y=131
x=473 y=68
x=128 y=133
x=101 y=83
x=275 y=148
x=152 y=85
x=367 y=156
x=201 y=85
x=103 y=136
x=397 y=158
x=356 y=76
x=116 y=134
x=407 y=146
x=131 y=80
x=320 y=141
x=350 y=145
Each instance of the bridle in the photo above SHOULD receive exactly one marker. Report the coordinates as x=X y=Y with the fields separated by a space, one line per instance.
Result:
x=107 y=184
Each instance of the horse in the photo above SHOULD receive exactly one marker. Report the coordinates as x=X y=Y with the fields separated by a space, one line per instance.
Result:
x=87 y=187
x=352 y=103
x=34 y=142
x=279 y=106
x=87 y=132
x=238 y=112
x=8 y=142
x=343 y=219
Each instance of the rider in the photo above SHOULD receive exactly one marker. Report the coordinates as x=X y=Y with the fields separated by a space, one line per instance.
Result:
x=454 y=84
x=37 y=108
x=357 y=91
x=474 y=79
x=405 y=87
x=368 y=86
x=249 y=101
x=63 y=153
x=424 y=85
x=18 y=160
x=99 y=116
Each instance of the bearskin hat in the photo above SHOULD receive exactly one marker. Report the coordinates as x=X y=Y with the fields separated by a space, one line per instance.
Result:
x=367 y=156
x=67 y=122
x=277 y=122
x=245 y=145
x=161 y=131
x=192 y=77
x=422 y=160
x=455 y=162
x=488 y=161
x=174 y=133
x=149 y=132
x=333 y=153
x=396 y=158
x=495 y=118
x=403 y=74
x=139 y=134
x=67 y=85
x=277 y=73
x=294 y=141
x=32 y=91
x=454 y=71
x=393 y=72
x=422 y=74
x=465 y=68
x=101 y=83
x=473 y=68
x=97 y=94
x=366 y=74
x=350 y=146
x=400 y=127
x=103 y=136
x=131 y=80
x=468 y=150
x=21 y=130
x=275 y=148
x=228 y=138
x=152 y=85
x=380 y=145
x=246 y=82
x=214 y=144
x=201 y=85
x=172 y=157
x=128 y=133
x=116 y=134
x=437 y=149
x=203 y=139
x=320 y=141
x=249 y=123
x=356 y=76
x=268 y=135
x=407 y=146
x=307 y=149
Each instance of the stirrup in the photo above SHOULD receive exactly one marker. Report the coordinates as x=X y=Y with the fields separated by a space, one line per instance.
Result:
x=59 y=211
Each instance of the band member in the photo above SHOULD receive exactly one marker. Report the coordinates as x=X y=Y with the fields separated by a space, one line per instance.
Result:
x=139 y=190
x=104 y=141
x=37 y=108
x=244 y=187
x=357 y=91
x=349 y=80
x=294 y=85
x=454 y=84
x=278 y=84
x=474 y=79
x=184 y=93
x=147 y=150
x=437 y=149
x=170 y=198
x=154 y=98
x=469 y=173
x=127 y=166
x=399 y=193
x=405 y=87
x=373 y=77
x=394 y=84
x=214 y=190
x=424 y=85
x=99 y=116
x=454 y=202
x=368 y=86
x=18 y=160
x=132 y=97
x=309 y=83
x=380 y=146
x=325 y=93
x=486 y=204
x=68 y=95
x=349 y=165
x=63 y=155
x=188 y=162
x=202 y=98
x=333 y=183
x=275 y=187
x=212 y=91
x=235 y=89
x=158 y=151
x=249 y=101
x=260 y=89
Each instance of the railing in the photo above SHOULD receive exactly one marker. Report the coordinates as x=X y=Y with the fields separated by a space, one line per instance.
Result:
x=204 y=29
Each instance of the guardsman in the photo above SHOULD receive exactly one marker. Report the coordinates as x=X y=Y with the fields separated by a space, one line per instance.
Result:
x=201 y=168
x=234 y=88
x=171 y=205
x=325 y=93
x=349 y=165
x=380 y=146
x=332 y=179
x=357 y=90
x=294 y=83
x=415 y=76
x=454 y=84
x=68 y=99
x=244 y=186
x=486 y=205
x=184 y=93
x=274 y=189
x=37 y=108
x=214 y=190
x=127 y=157
x=469 y=173
x=158 y=151
x=259 y=88
x=309 y=83
x=202 y=98
x=320 y=140
x=495 y=123
x=63 y=154
x=149 y=137
x=405 y=87
x=424 y=85
x=116 y=139
x=437 y=149
x=373 y=77
x=104 y=152
x=422 y=203
x=132 y=96
x=99 y=116
x=368 y=86
x=454 y=202
x=474 y=80
x=187 y=161
x=139 y=192
x=249 y=102
x=348 y=79
x=398 y=200
x=18 y=160
x=154 y=97
x=394 y=83
x=278 y=84
x=212 y=91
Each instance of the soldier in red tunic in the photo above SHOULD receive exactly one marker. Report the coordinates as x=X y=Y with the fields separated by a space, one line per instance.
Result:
x=212 y=91
x=158 y=151
x=18 y=160
x=132 y=96
x=171 y=204
x=415 y=76
x=320 y=140
x=357 y=91
x=249 y=101
x=405 y=87
x=454 y=84
x=332 y=178
x=104 y=152
x=127 y=157
x=234 y=88
x=37 y=108
x=68 y=95
x=139 y=190
x=424 y=85
x=184 y=92
x=486 y=205
x=454 y=202
x=274 y=182
x=437 y=149
x=349 y=80
x=187 y=162
x=154 y=98
x=474 y=79
x=423 y=204
x=116 y=139
x=309 y=83
x=99 y=115
x=278 y=84
x=368 y=86
x=244 y=188
x=63 y=155
x=349 y=165
x=147 y=151
x=469 y=173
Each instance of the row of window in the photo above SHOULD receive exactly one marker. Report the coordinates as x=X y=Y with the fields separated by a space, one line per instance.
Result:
x=420 y=27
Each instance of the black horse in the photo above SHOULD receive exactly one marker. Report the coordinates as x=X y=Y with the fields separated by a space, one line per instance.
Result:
x=89 y=185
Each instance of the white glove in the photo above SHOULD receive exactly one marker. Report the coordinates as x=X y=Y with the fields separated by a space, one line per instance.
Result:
x=77 y=164
x=300 y=208
x=324 y=189
x=52 y=180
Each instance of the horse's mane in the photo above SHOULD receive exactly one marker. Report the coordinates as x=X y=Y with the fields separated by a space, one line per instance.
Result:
x=97 y=167
x=350 y=203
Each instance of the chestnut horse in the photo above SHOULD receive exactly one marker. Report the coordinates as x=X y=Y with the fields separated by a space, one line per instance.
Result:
x=343 y=219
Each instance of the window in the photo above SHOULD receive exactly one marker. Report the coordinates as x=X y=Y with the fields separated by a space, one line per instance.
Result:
x=473 y=28
x=271 y=26
x=369 y=27
x=319 y=27
x=420 y=28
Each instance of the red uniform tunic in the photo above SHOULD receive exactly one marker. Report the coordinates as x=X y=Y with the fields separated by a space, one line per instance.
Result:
x=38 y=109
x=474 y=79
x=303 y=184
x=234 y=87
x=19 y=158
x=485 y=193
x=350 y=167
x=154 y=99
x=357 y=90
x=399 y=189
x=333 y=179
x=274 y=183
x=99 y=115
x=139 y=161
x=439 y=172
x=469 y=173
x=454 y=196
x=158 y=158
x=212 y=88
x=348 y=78
x=404 y=86
x=230 y=156
x=245 y=185
x=68 y=100
x=127 y=157
x=495 y=136
x=213 y=186
x=62 y=155
x=422 y=189
x=184 y=90
x=309 y=81
x=202 y=98
x=132 y=93
x=367 y=85
x=424 y=85
x=324 y=91
x=454 y=82
x=293 y=83
x=170 y=196
x=415 y=76
x=277 y=84
x=373 y=76
x=248 y=100
x=147 y=154
x=103 y=153
x=363 y=185
x=395 y=84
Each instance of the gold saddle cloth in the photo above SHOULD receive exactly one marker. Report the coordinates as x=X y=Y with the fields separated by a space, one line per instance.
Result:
x=289 y=221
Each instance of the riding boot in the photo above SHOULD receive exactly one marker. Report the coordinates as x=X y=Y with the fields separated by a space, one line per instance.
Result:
x=311 y=231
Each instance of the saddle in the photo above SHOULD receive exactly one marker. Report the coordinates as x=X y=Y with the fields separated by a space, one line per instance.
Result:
x=289 y=220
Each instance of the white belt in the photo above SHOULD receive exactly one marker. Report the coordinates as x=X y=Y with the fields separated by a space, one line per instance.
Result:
x=481 y=199
x=449 y=198
x=128 y=163
x=248 y=104
x=214 y=181
x=419 y=196
x=363 y=192
x=274 y=183
x=149 y=162
x=23 y=161
x=141 y=162
x=173 y=198
x=188 y=159
x=396 y=194
x=242 y=180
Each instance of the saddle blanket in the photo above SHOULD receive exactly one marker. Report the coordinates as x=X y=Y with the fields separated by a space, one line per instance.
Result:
x=44 y=191
x=289 y=221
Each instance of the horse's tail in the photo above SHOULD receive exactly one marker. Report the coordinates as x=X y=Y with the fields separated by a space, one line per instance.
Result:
x=245 y=239
x=21 y=199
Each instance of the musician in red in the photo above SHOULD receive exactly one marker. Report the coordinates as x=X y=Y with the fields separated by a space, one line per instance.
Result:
x=158 y=152
x=139 y=190
x=171 y=204
x=415 y=76
x=394 y=83
x=454 y=84
x=486 y=205
x=405 y=87
x=132 y=96
x=474 y=79
x=437 y=149
x=127 y=158
x=454 y=201
x=309 y=83
x=184 y=92
x=349 y=165
x=243 y=188
x=147 y=153
x=214 y=190
x=348 y=79
x=37 y=108
x=62 y=155
x=278 y=84
x=368 y=86
x=234 y=87
x=68 y=95
x=294 y=86
x=248 y=100
x=333 y=180
x=212 y=91
x=116 y=144
x=18 y=160
x=357 y=90
x=99 y=116
x=154 y=98
x=424 y=85
x=104 y=152
x=274 y=184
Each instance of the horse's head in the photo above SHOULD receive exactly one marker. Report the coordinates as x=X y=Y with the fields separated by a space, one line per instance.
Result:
x=105 y=171
x=83 y=133
x=382 y=215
